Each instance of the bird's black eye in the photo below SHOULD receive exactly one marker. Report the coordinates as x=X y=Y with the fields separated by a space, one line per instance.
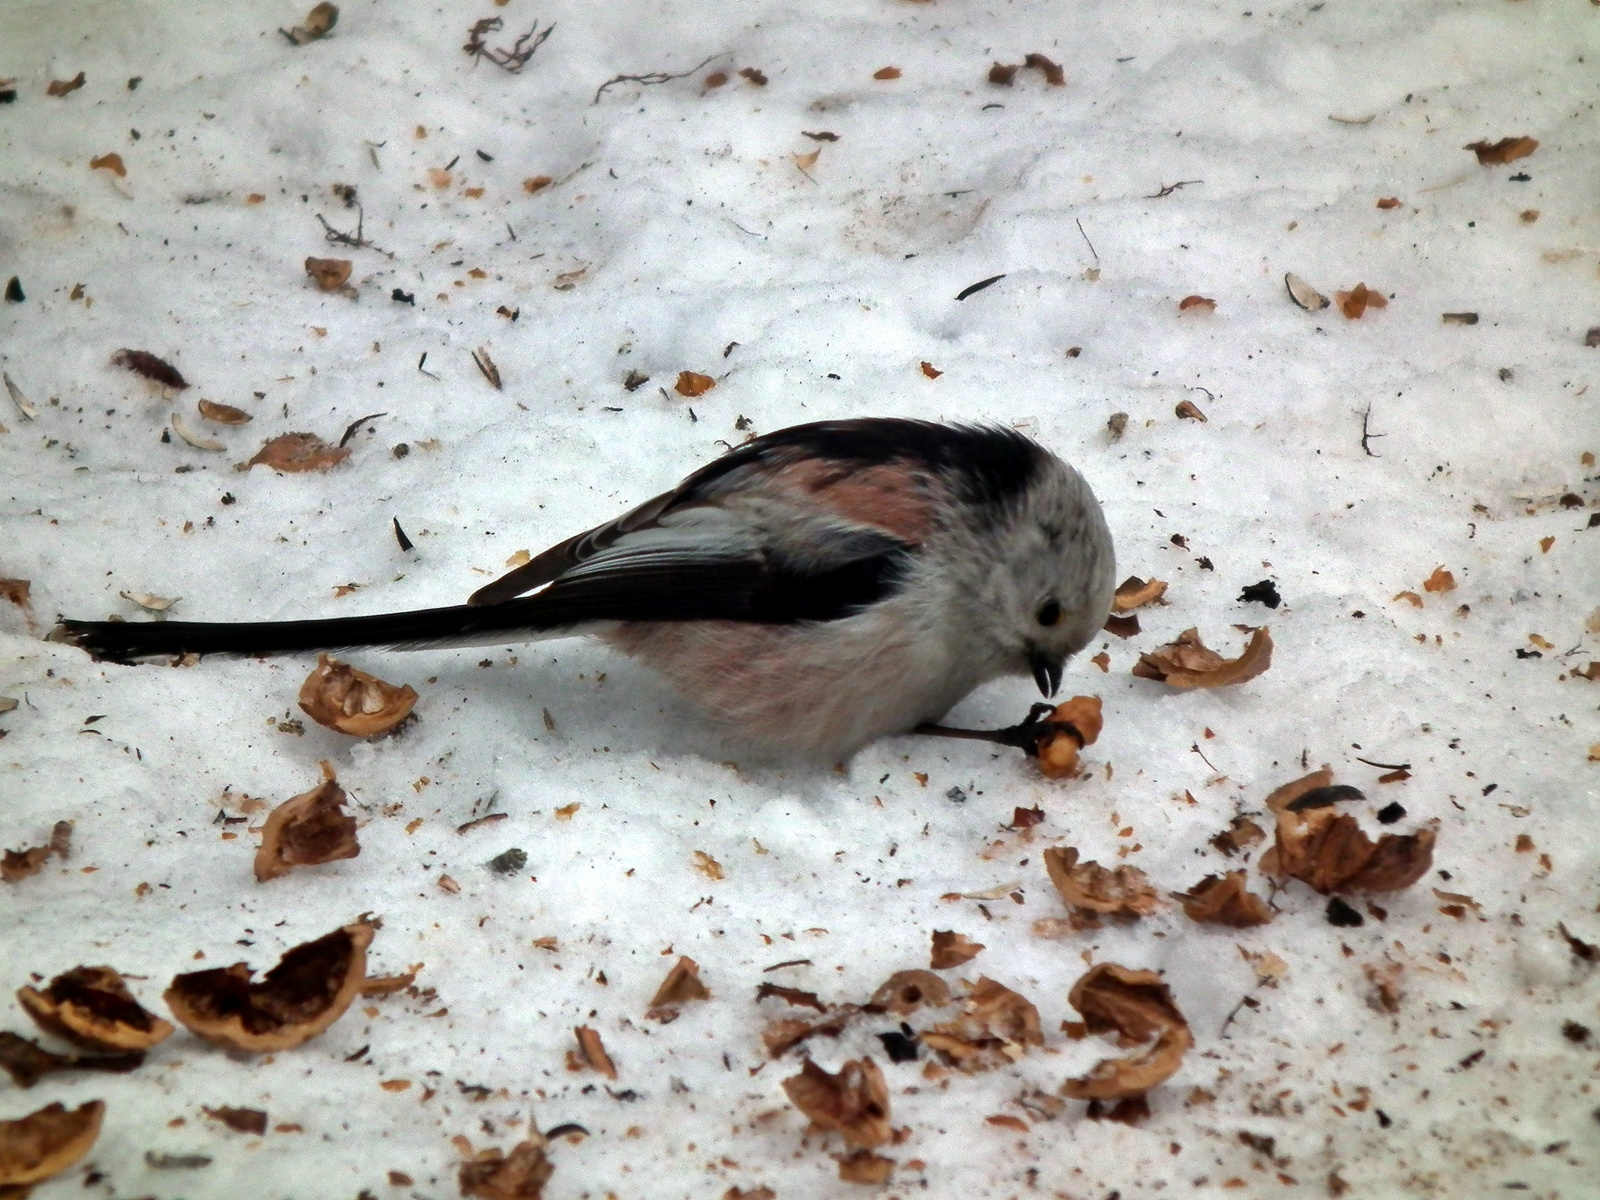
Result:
x=1049 y=613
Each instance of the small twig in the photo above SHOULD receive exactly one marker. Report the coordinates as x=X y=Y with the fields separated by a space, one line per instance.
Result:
x=1195 y=746
x=1086 y=240
x=1367 y=435
x=1385 y=766
x=1024 y=735
x=651 y=77
x=350 y=429
x=512 y=60
x=423 y=369
x=1248 y=1001
x=1168 y=188
x=486 y=365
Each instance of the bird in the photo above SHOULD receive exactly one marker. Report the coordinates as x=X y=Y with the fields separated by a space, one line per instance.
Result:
x=811 y=591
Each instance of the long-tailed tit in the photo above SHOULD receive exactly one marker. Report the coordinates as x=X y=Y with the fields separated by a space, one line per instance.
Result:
x=814 y=589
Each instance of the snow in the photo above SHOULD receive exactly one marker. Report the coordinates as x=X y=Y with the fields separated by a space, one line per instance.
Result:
x=694 y=228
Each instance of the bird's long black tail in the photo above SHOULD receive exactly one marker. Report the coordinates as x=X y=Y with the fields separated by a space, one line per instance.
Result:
x=125 y=641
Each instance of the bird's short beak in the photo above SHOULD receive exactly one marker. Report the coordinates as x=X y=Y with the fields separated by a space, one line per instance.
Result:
x=1046 y=672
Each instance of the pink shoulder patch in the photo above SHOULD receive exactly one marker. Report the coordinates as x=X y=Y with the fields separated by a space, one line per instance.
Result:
x=891 y=496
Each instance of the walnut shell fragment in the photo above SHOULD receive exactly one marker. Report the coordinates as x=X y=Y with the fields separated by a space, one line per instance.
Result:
x=1189 y=663
x=92 y=1007
x=1303 y=294
x=27 y=1062
x=306 y=830
x=951 y=949
x=1072 y=726
x=329 y=274
x=996 y=1027
x=906 y=991
x=1138 y=1007
x=295 y=452
x=45 y=1143
x=681 y=985
x=594 y=1051
x=1134 y=592
x=853 y=1103
x=310 y=988
x=1225 y=900
x=1329 y=851
x=340 y=697
x=520 y=1175
x=1088 y=887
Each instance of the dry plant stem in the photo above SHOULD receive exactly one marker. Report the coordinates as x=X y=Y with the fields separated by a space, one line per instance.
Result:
x=651 y=77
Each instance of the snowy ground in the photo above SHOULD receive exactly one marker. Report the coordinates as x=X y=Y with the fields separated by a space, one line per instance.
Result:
x=687 y=229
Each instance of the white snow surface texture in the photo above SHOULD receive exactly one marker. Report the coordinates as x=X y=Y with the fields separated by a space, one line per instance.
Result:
x=698 y=228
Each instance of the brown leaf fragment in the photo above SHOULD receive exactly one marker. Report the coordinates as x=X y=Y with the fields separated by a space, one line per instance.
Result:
x=691 y=385
x=716 y=79
x=1072 y=726
x=308 y=990
x=853 y=1103
x=1026 y=818
x=1123 y=626
x=1134 y=592
x=338 y=696
x=1360 y=298
x=754 y=75
x=1440 y=581
x=1004 y=74
x=791 y=995
x=109 y=162
x=1328 y=850
x=886 y=73
x=1506 y=150
x=1410 y=598
x=1189 y=663
x=1389 y=202
x=295 y=452
x=28 y=1062
x=329 y=274
x=45 y=1143
x=681 y=985
x=537 y=183
x=707 y=866
x=319 y=21
x=64 y=87
x=307 y=830
x=863 y=1166
x=16 y=865
x=995 y=1027
x=1121 y=891
x=951 y=949
x=1385 y=995
x=1188 y=410
x=1225 y=900
x=92 y=1007
x=594 y=1051
x=520 y=1175
x=822 y=135
x=223 y=414
x=240 y=1120
x=1240 y=835
x=142 y=362
x=757 y=1193
x=1052 y=72
x=1198 y=303
x=906 y=991
x=16 y=591
x=1138 y=1007
x=930 y=370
